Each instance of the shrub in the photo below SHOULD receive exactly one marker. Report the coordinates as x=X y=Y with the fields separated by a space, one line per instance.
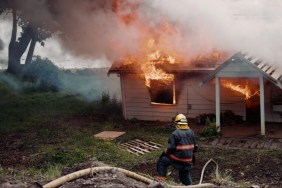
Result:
x=229 y=118
x=210 y=130
x=107 y=109
x=41 y=75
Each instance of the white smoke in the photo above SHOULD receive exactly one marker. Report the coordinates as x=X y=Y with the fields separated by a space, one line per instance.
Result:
x=93 y=34
x=253 y=26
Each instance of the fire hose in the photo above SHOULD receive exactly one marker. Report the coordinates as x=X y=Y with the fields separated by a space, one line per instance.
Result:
x=78 y=174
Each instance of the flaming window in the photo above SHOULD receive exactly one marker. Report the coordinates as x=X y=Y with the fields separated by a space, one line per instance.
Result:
x=162 y=93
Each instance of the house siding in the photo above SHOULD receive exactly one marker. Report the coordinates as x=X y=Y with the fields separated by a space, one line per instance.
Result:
x=270 y=114
x=191 y=100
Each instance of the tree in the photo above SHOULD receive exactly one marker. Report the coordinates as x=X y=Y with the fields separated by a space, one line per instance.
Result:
x=32 y=31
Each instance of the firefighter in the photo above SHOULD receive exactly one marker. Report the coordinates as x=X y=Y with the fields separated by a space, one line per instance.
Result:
x=179 y=152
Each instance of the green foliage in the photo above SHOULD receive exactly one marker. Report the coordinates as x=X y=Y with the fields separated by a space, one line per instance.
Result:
x=210 y=130
x=27 y=110
x=41 y=75
x=51 y=172
x=10 y=82
x=223 y=179
x=89 y=84
x=30 y=109
x=65 y=156
x=107 y=109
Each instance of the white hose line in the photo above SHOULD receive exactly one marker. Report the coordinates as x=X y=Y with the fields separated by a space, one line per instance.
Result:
x=81 y=173
x=203 y=170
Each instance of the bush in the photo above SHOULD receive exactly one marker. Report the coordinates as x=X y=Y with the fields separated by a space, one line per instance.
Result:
x=202 y=119
x=210 y=130
x=107 y=109
x=41 y=75
x=229 y=118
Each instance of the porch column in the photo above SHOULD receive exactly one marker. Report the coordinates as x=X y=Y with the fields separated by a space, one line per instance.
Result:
x=262 y=113
x=217 y=103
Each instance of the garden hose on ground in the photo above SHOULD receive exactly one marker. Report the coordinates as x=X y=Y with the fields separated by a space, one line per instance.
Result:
x=84 y=172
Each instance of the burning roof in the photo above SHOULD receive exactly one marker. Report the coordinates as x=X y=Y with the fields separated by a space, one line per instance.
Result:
x=204 y=64
x=270 y=72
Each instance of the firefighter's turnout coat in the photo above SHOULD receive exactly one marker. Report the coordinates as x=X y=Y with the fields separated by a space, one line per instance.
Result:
x=181 y=145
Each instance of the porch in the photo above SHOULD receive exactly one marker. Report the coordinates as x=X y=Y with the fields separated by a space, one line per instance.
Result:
x=246 y=130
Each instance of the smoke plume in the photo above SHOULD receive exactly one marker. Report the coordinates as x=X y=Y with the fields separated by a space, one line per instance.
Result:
x=98 y=28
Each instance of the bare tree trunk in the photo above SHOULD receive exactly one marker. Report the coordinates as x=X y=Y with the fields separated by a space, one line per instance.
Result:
x=14 y=61
x=31 y=50
x=17 y=48
x=24 y=40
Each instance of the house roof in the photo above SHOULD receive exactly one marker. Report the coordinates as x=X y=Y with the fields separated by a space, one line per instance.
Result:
x=269 y=71
x=198 y=67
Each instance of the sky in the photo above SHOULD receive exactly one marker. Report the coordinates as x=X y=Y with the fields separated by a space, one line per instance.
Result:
x=96 y=39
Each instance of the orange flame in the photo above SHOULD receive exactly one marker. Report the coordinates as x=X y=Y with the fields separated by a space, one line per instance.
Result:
x=148 y=64
x=154 y=51
x=245 y=89
x=152 y=73
x=152 y=55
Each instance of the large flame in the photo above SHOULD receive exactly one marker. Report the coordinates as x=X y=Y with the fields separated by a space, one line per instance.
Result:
x=149 y=68
x=244 y=88
x=155 y=45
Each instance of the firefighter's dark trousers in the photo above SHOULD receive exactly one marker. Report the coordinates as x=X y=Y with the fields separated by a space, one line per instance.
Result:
x=183 y=168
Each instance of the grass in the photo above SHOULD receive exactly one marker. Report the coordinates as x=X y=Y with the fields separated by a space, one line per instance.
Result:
x=22 y=111
x=223 y=179
x=60 y=130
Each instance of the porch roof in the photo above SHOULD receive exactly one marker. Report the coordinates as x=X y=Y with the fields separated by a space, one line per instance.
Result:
x=271 y=72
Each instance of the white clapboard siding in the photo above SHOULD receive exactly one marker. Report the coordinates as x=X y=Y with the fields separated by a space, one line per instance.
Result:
x=141 y=91
x=191 y=100
x=270 y=115
x=198 y=101
x=138 y=99
x=157 y=107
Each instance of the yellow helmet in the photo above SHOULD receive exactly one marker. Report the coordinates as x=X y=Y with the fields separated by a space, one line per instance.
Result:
x=181 y=119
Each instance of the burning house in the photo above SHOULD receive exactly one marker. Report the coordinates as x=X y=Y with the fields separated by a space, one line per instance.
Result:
x=163 y=76
x=159 y=90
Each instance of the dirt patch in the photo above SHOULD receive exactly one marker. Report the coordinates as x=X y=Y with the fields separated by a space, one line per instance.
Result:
x=263 y=171
x=258 y=167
